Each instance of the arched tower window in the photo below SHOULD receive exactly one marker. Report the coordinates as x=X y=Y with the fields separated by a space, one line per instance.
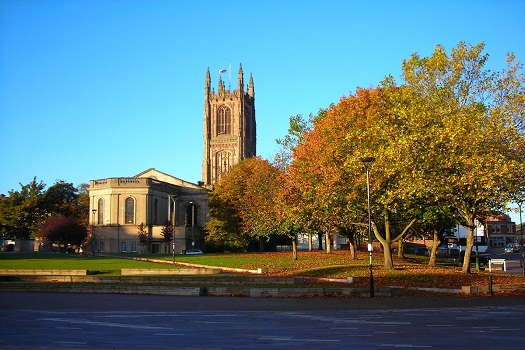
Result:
x=223 y=163
x=223 y=121
x=100 y=208
x=129 y=211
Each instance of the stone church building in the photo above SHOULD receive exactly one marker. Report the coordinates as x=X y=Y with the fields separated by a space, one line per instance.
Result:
x=121 y=206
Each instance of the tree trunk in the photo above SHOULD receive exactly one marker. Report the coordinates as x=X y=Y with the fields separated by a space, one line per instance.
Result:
x=328 y=243
x=320 y=241
x=470 y=243
x=387 y=257
x=351 y=246
x=261 y=245
x=387 y=240
x=294 y=248
x=401 y=248
x=310 y=243
x=435 y=244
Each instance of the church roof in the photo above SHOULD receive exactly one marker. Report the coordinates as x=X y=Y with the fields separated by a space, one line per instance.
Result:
x=161 y=176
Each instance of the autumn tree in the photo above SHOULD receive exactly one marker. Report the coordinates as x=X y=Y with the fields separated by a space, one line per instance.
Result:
x=142 y=235
x=329 y=178
x=242 y=204
x=167 y=231
x=62 y=230
x=473 y=133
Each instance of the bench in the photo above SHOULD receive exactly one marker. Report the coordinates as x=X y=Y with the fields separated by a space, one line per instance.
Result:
x=497 y=262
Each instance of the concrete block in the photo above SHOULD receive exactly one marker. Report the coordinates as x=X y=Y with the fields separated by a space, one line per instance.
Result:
x=41 y=272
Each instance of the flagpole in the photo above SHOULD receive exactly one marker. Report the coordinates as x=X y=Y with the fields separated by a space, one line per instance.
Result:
x=230 y=76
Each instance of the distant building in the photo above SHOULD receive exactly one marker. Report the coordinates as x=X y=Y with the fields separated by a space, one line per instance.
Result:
x=501 y=230
x=520 y=233
x=495 y=231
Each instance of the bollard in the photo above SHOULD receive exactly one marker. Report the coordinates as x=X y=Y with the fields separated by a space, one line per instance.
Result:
x=522 y=261
x=491 y=292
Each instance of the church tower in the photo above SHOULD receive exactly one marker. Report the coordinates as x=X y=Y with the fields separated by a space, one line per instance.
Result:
x=229 y=126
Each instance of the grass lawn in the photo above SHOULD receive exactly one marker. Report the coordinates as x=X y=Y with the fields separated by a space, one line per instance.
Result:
x=411 y=271
x=58 y=261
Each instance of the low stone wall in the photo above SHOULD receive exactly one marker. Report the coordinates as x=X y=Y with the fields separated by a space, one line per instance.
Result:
x=476 y=290
x=35 y=272
x=200 y=291
x=139 y=272
x=209 y=279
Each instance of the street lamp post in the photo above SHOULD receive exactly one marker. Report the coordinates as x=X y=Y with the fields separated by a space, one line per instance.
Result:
x=94 y=211
x=192 y=224
x=520 y=204
x=367 y=161
x=171 y=218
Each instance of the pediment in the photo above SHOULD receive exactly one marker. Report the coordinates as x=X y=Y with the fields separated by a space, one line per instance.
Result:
x=159 y=175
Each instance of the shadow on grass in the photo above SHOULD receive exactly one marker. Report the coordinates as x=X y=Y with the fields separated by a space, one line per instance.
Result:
x=343 y=270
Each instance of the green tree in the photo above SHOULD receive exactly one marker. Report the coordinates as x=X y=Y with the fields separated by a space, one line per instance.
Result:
x=64 y=198
x=21 y=211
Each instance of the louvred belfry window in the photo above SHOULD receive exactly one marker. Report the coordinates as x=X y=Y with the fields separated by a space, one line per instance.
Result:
x=223 y=163
x=223 y=121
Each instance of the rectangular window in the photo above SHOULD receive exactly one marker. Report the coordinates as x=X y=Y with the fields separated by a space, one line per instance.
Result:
x=133 y=247
x=101 y=246
x=124 y=247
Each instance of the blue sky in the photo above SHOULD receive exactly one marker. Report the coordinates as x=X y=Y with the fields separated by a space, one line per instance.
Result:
x=93 y=89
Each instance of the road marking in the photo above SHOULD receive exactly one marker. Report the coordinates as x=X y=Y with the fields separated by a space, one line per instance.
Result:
x=105 y=324
x=405 y=346
x=385 y=332
x=68 y=328
x=339 y=320
x=311 y=340
x=344 y=328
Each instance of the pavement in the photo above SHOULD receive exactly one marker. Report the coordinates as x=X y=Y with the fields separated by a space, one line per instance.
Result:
x=91 y=321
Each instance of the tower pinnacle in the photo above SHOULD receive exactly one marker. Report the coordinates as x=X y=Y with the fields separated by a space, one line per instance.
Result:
x=251 y=88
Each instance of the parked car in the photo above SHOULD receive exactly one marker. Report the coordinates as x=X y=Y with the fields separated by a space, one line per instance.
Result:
x=512 y=248
x=193 y=252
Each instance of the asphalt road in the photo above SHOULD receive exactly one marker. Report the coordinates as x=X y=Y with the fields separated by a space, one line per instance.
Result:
x=98 y=321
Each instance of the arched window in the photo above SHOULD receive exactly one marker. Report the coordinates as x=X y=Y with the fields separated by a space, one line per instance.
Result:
x=100 y=208
x=223 y=163
x=129 y=211
x=223 y=121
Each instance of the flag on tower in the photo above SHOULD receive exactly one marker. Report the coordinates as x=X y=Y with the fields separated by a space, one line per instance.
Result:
x=222 y=71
